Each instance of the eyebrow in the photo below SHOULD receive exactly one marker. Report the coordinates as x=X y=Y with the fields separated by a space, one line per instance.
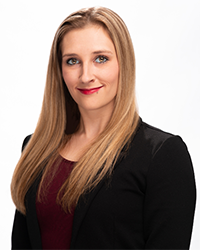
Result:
x=102 y=51
x=95 y=52
x=73 y=54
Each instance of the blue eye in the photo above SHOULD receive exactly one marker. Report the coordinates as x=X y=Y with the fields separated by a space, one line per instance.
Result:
x=72 y=61
x=101 y=59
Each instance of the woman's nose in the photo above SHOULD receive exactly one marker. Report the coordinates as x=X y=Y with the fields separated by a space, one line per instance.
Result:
x=86 y=75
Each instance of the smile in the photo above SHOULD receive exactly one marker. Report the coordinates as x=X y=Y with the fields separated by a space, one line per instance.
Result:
x=89 y=91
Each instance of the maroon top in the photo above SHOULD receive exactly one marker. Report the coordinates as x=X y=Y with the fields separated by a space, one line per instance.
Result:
x=55 y=224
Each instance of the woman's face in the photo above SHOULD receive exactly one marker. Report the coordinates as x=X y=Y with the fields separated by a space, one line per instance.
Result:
x=90 y=68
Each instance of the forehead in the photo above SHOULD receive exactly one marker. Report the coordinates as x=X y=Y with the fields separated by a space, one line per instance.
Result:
x=91 y=37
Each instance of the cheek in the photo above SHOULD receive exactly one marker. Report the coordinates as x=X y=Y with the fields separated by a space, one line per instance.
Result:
x=68 y=78
x=112 y=75
x=70 y=81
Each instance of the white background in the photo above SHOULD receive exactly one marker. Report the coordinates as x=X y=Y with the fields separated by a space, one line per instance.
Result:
x=166 y=38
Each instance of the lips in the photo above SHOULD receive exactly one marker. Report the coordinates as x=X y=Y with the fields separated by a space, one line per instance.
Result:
x=89 y=91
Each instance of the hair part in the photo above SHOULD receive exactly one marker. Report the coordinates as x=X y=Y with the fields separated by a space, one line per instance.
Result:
x=60 y=118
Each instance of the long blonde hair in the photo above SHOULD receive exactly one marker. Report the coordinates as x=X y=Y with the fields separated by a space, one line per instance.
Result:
x=60 y=118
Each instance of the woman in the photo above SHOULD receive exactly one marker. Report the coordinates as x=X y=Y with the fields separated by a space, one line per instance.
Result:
x=94 y=175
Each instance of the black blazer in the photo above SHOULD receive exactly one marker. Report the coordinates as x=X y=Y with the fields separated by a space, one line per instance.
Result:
x=148 y=203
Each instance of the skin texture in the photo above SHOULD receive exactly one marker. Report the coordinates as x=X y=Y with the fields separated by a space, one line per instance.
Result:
x=90 y=70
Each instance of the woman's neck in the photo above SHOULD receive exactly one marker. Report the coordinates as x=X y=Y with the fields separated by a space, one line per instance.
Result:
x=93 y=122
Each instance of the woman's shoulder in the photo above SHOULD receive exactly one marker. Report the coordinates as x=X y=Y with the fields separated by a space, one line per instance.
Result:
x=153 y=138
x=159 y=154
x=26 y=140
x=154 y=132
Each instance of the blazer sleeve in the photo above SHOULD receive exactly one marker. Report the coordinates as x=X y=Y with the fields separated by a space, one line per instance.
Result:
x=20 y=237
x=170 y=197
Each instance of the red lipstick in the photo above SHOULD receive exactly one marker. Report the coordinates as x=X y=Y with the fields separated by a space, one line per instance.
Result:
x=89 y=91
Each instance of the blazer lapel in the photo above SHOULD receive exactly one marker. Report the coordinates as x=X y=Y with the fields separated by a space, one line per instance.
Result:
x=81 y=210
x=84 y=204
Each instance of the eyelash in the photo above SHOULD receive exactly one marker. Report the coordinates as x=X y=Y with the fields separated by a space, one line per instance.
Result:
x=105 y=59
x=71 y=64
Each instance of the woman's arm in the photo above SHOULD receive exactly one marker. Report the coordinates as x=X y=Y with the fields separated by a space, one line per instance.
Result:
x=20 y=237
x=170 y=197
